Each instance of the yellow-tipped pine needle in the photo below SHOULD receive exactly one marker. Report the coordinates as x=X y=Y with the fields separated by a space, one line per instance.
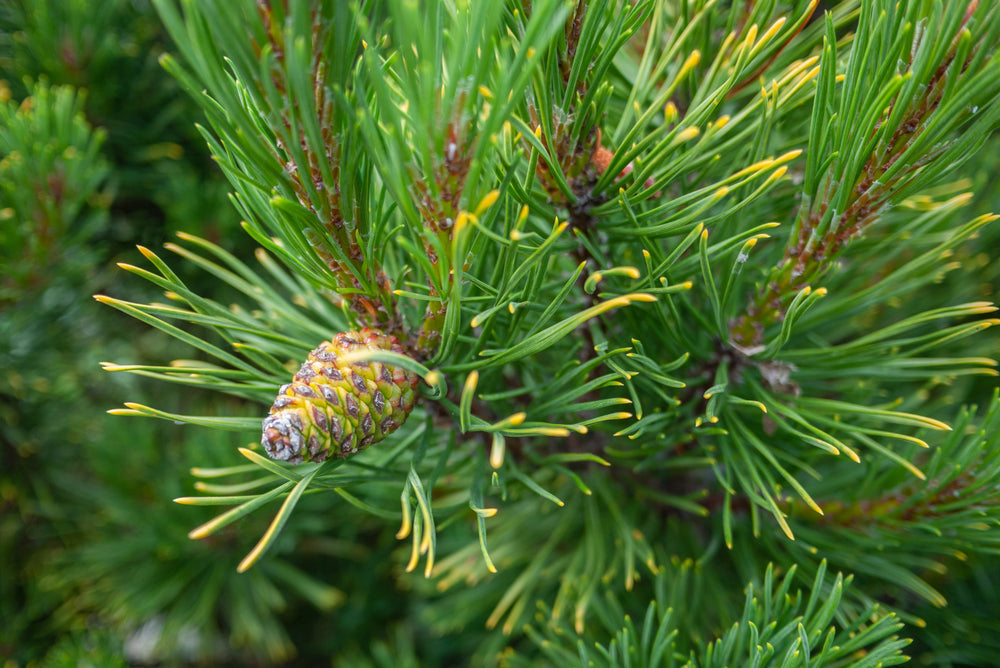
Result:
x=407 y=522
x=771 y=32
x=487 y=201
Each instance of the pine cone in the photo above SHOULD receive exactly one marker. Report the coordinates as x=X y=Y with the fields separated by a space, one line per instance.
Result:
x=332 y=408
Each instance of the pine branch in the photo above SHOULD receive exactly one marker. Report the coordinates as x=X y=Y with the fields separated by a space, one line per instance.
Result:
x=776 y=627
x=616 y=287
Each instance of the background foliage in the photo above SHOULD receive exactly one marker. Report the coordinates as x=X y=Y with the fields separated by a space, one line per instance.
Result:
x=683 y=281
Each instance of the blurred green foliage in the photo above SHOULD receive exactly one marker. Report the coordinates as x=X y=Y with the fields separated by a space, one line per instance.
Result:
x=98 y=150
x=162 y=179
x=50 y=200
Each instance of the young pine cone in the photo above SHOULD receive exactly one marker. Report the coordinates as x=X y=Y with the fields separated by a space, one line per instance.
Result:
x=333 y=408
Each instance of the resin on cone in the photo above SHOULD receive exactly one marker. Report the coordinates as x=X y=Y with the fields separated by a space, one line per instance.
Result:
x=335 y=409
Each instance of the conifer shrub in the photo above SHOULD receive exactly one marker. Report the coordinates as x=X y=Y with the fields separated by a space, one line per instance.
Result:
x=161 y=177
x=637 y=324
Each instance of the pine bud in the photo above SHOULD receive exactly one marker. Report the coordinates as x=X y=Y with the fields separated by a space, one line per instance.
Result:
x=333 y=408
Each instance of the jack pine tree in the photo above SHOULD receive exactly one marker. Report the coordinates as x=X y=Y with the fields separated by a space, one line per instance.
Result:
x=649 y=324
